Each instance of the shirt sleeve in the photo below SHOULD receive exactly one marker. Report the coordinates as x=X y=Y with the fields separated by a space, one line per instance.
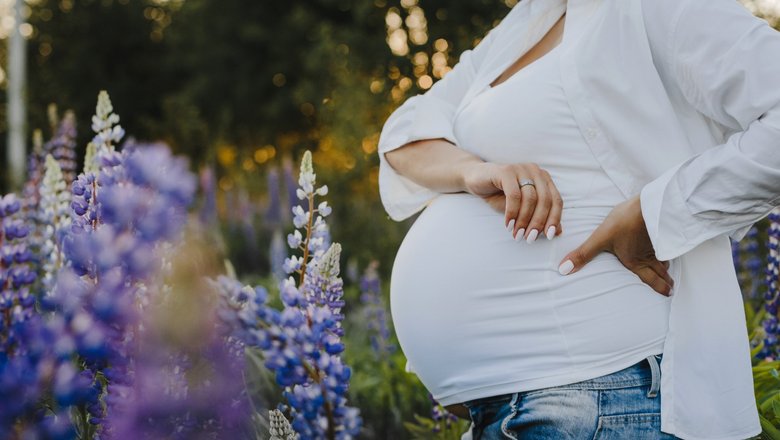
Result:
x=424 y=116
x=726 y=62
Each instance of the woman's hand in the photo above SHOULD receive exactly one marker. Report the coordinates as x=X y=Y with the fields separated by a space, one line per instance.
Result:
x=624 y=234
x=528 y=211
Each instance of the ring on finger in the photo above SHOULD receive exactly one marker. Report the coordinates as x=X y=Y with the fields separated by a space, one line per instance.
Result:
x=527 y=182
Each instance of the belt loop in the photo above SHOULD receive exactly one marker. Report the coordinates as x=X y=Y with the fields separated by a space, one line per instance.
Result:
x=655 y=369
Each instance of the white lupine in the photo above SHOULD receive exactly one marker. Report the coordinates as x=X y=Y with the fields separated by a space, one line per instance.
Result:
x=90 y=164
x=329 y=263
x=54 y=217
x=105 y=124
x=280 y=428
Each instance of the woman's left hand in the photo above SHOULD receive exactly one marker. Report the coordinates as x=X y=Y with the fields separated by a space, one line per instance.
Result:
x=624 y=234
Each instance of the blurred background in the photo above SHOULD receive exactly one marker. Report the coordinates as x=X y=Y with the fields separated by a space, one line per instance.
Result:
x=242 y=88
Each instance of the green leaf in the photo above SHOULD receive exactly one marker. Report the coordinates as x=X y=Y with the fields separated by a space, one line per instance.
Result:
x=770 y=431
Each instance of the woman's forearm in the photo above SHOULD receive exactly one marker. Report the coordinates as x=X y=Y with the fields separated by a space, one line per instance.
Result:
x=433 y=163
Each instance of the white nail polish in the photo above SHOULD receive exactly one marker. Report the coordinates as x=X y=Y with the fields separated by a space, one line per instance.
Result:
x=532 y=235
x=511 y=225
x=520 y=234
x=566 y=267
x=550 y=232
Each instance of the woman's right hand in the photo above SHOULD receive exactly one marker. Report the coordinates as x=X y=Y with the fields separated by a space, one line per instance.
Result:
x=528 y=211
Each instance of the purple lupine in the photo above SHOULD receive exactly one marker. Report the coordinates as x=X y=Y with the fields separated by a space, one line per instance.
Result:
x=439 y=415
x=136 y=201
x=35 y=355
x=754 y=263
x=311 y=370
x=375 y=312
x=301 y=343
x=62 y=146
x=19 y=386
x=772 y=296
x=16 y=274
x=165 y=401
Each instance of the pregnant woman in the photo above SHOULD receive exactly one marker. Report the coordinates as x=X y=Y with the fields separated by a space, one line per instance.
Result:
x=489 y=308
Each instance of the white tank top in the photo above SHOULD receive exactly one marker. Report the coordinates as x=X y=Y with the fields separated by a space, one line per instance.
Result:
x=479 y=314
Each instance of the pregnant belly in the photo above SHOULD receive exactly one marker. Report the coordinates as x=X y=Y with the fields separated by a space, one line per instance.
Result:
x=468 y=301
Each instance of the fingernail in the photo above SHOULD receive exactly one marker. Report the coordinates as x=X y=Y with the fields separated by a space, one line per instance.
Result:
x=566 y=267
x=520 y=234
x=532 y=235
x=550 y=232
x=511 y=225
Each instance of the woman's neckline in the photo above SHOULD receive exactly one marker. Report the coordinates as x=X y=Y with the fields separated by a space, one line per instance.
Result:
x=536 y=61
x=551 y=53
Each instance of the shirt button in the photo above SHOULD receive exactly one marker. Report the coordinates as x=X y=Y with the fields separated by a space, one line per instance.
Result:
x=592 y=133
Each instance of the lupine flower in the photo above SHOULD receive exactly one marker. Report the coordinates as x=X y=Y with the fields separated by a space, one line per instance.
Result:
x=306 y=346
x=301 y=343
x=16 y=275
x=772 y=296
x=105 y=124
x=439 y=415
x=188 y=380
x=375 y=312
x=280 y=427
x=123 y=215
x=34 y=354
x=55 y=218
x=62 y=146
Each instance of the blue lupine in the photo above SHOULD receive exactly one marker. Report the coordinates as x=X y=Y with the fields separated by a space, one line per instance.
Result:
x=306 y=346
x=301 y=343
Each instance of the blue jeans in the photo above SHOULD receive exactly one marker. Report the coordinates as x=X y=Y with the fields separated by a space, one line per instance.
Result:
x=622 y=405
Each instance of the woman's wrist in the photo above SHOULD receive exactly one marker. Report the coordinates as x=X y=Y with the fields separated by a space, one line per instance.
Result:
x=466 y=169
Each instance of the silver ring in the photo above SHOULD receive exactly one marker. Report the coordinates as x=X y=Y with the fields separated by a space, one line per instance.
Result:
x=527 y=182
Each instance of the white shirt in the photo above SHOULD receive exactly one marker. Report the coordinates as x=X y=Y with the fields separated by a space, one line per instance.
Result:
x=479 y=314
x=679 y=101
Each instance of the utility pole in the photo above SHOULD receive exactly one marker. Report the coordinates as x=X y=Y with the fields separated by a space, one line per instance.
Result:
x=17 y=60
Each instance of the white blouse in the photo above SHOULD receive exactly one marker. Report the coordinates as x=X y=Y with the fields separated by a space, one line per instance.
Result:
x=479 y=314
x=679 y=102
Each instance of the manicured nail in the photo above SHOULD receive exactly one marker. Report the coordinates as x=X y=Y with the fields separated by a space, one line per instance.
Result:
x=550 y=232
x=511 y=225
x=532 y=235
x=566 y=267
x=520 y=234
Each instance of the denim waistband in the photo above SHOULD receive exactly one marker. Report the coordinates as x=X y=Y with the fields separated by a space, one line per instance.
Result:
x=646 y=371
